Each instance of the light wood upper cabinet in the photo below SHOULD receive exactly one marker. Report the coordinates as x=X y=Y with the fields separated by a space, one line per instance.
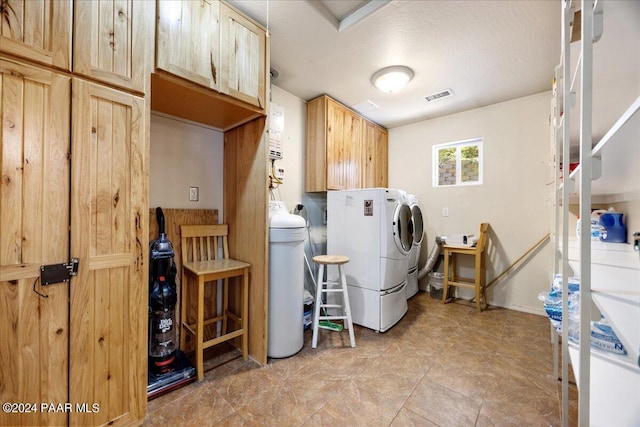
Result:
x=343 y=151
x=333 y=156
x=188 y=40
x=39 y=30
x=243 y=57
x=375 y=155
x=343 y=147
x=109 y=42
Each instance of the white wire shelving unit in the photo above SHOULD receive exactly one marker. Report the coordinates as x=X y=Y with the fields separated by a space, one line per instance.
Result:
x=608 y=384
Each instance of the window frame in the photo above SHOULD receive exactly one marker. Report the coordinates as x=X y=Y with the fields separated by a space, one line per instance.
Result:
x=458 y=145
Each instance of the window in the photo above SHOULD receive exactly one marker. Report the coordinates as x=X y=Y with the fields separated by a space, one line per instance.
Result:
x=458 y=163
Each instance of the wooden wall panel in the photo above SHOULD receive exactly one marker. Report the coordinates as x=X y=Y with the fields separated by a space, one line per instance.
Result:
x=34 y=221
x=173 y=219
x=245 y=201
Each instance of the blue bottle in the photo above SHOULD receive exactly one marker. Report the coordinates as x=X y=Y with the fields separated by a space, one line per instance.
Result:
x=611 y=228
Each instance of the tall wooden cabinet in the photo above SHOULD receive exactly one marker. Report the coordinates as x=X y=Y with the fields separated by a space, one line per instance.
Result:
x=235 y=103
x=74 y=155
x=343 y=150
x=34 y=224
x=109 y=233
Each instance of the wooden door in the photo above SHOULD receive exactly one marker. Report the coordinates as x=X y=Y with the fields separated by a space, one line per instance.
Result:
x=109 y=38
x=109 y=234
x=39 y=30
x=243 y=57
x=188 y=40
x=34 y=231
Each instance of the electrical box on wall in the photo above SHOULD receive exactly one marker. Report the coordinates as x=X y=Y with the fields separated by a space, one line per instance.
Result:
x=276 y=131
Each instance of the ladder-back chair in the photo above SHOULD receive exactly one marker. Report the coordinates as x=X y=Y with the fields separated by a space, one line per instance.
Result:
x=205 y=259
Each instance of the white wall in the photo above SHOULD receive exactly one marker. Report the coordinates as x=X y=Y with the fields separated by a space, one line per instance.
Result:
x=292 y=190
x=293 y=141
x=513 y=197
x=182 y=155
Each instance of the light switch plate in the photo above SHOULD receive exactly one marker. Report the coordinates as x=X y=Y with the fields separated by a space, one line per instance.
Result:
x=194 y=194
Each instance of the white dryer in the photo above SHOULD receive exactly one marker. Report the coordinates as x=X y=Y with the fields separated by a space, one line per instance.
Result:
x=417 y=230
x=372 y=228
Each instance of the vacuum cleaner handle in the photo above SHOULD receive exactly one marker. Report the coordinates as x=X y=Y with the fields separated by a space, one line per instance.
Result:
x=160 y=218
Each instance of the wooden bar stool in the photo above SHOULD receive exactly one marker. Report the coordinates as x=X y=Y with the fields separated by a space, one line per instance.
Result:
x=478 y=282
x=327 y=287
x=202 y=263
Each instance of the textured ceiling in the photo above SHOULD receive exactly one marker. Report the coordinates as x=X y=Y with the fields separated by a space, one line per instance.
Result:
x=486 y=51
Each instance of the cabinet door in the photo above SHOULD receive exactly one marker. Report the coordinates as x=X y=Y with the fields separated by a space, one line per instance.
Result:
x=382 y=158
x=315 y=172
x=34 y=231
x=188 y=40
x=109 y=41
x=344 y=152
x=353 y=150
x=375 y=145
x=39 y=30
x=243 y=57
x=336 y=156
x=109 y=234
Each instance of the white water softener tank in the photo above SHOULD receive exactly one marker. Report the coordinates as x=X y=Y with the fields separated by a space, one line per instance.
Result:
x=286 y=282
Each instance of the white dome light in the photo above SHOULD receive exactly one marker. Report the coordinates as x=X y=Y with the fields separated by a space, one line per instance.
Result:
x=392 y=79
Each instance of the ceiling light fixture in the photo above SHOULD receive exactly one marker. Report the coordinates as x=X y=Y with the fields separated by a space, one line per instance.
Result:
x=392 y=79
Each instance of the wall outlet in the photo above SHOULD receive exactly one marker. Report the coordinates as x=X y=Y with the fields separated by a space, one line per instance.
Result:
x=194 y=194
x=445 y=211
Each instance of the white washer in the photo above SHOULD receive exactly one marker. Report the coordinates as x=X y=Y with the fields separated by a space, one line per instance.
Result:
x=372 y=228
x=417 y=234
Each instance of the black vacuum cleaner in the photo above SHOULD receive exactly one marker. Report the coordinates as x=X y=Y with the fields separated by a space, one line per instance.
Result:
x=168 y=366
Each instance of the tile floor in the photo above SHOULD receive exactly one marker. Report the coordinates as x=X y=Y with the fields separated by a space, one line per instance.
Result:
x=441 y=365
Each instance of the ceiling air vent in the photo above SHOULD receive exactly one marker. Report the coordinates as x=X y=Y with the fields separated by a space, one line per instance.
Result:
x=439 y=95
x=364 y=106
